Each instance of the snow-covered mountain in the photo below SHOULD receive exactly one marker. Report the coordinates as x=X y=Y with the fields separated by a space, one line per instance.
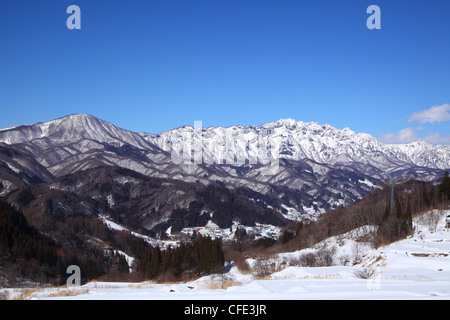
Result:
x=305 y=165
x=292 y=140
x=80 y=173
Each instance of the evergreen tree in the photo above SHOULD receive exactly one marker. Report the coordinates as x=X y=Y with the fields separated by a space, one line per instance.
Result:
x=286 y=236
x=166 y=257
x=407 y=220
x=398 y=209
x=386 y=214
x=144 y=265
x=444 y=187
x=425 y=195
x=203 y=256
x=122 y=264
x=155 y=263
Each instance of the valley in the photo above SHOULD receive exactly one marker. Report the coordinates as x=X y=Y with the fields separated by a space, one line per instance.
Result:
x=415 y=268
x=117 y=200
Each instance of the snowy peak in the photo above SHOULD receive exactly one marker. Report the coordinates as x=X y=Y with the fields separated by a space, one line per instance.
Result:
x=283 y=139
x=67 y=127
x=79 y=142
x=70 y=129
x=297 y=140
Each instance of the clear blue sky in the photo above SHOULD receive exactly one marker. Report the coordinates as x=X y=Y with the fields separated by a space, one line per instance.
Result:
x=154 y=65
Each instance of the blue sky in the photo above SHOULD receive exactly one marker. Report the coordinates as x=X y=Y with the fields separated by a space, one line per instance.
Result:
x=154 y=65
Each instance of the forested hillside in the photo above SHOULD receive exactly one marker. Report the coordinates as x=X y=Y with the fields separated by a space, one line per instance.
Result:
x=186 y=261
x=393 y=222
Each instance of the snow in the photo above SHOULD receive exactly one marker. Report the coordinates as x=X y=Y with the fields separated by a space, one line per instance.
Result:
x=300 y=140
x=154 y=242
x=414 y=268
x=214 y=231
x=291 y=213
x=7 y=187
x=366 y=181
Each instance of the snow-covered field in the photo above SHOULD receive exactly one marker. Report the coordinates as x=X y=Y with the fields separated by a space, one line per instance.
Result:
x=413 y=268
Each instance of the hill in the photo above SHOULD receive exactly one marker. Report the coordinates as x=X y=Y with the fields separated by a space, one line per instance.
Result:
x=412 y=268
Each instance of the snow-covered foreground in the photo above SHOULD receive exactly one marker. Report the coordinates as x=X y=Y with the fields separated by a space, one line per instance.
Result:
x=413 y=268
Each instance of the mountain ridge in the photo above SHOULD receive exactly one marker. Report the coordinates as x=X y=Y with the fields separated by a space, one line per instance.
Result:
x=308 y=164
x=116 y=134
x=323 y=139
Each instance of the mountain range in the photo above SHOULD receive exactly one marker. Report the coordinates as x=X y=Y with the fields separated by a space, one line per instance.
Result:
x=187 y=176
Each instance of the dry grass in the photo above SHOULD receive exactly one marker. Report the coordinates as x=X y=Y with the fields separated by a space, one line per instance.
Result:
x=217 y=284
x=26 y=294
x=417 y=277
x=426 y=255
x=67 y=292
x=331 y=276
x=30 y=293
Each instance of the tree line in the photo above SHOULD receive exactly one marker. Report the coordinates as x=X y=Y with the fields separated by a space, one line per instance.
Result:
x=394 y=222
x=28 y=254
x=25 y=253
x=411 y=198
x=190 y=259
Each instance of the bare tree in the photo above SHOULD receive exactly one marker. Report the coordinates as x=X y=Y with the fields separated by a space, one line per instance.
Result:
x=431 y=219
x=325 y=256
x=357 y=251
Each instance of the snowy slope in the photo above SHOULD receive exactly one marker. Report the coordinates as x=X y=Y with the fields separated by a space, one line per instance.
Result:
x=296 y=140
x=283 y=139
x=413 y=268
x=71 y=129
x=311 y=167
